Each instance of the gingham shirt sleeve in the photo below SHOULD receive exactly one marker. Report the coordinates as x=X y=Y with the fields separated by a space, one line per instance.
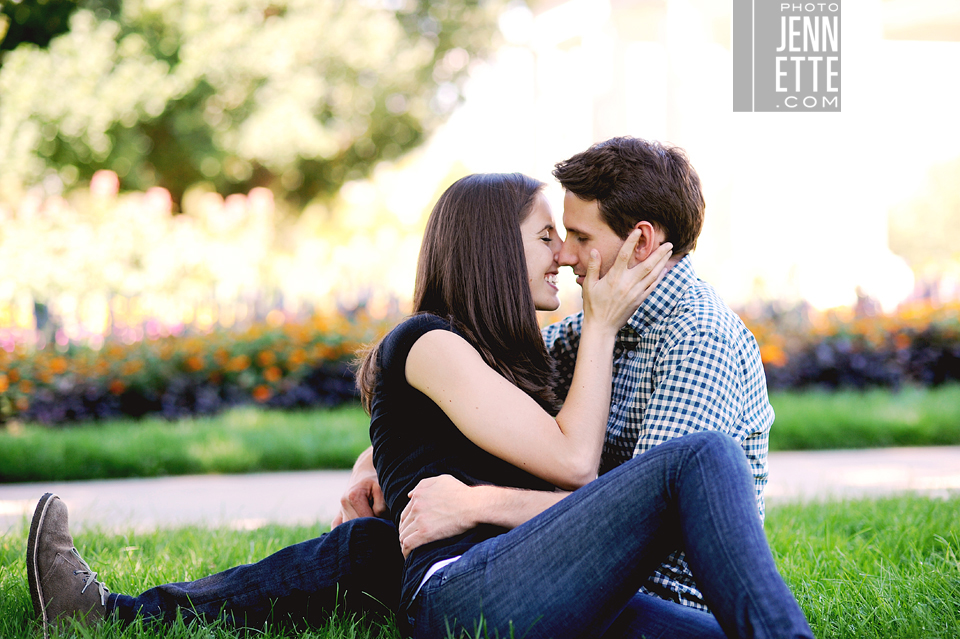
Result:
x=696 y=387
x=563 y=340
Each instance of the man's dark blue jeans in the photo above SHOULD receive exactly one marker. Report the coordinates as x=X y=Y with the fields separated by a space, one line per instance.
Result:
x=574 y=570
x=353 y=569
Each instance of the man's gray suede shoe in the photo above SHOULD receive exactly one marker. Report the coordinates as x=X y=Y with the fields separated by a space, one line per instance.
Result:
x=62 y=585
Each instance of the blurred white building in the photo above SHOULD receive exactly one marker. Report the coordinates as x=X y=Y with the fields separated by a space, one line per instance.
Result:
x=797 y=203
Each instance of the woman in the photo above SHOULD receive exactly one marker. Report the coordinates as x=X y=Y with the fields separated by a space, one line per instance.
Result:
x=463 y=387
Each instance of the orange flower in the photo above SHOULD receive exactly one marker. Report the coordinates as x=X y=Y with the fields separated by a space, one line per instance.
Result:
x=4 y=384
x=297 y=358
x=193 y=363
x=44 y=376
x=773 y=355
x=116 y=387
x=272 y=374
x=58 y=365
x=21 y=404
x=266 y=358
x=238 y=363
x=221 y=356
x=261 y=393
x=13 y=375
x=26 y=387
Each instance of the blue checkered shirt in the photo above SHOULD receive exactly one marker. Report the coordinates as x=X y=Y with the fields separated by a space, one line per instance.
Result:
x=683 y=363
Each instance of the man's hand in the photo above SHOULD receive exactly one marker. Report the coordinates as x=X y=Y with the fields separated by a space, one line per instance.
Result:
x=363 y=497
x=438 y=509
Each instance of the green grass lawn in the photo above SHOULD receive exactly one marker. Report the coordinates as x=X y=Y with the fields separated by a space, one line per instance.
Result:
x=253 y=440
x=133 y=562
x=242 y=440
x=814 y=420
x=886 y=569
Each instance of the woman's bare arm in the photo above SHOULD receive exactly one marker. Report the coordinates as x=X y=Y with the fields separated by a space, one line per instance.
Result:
x=503 y=420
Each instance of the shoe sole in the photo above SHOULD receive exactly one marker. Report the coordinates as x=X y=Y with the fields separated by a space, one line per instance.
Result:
x=33 y=577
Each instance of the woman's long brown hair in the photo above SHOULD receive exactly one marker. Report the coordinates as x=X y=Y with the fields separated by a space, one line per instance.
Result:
x=472 y=271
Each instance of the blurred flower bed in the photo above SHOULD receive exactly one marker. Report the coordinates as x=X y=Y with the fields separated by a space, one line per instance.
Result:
x=859 y=348
x=282 y=363
x=273 y=363
x=113 y=304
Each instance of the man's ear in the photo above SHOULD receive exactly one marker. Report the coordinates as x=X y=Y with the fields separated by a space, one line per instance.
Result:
x=650 y=240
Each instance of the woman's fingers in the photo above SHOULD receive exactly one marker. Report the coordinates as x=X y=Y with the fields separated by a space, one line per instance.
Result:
x=610 y=301
x=641 y=278
x=593 y=267
x=655 y=264
x=627 y=249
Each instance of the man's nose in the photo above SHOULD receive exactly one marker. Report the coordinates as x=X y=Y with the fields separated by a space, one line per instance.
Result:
x=566 y=257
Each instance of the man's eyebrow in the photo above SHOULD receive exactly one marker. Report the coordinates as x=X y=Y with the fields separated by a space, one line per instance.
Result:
x=575 y=231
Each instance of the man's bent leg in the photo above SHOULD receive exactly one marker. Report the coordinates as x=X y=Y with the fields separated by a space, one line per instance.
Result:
x=572 y=570
x=355 y=569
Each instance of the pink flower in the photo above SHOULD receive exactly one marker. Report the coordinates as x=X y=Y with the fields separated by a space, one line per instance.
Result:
x=104 y=184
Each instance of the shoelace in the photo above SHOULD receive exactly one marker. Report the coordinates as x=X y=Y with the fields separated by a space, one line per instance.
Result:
x=90 y=577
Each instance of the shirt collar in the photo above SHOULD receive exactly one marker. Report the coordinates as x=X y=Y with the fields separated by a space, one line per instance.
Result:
x=664 y=298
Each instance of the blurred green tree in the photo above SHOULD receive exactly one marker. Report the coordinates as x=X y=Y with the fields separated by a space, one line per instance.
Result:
x=295 y=95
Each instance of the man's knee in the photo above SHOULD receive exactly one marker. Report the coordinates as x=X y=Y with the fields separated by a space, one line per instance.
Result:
x=712 y=439
x=717 y=445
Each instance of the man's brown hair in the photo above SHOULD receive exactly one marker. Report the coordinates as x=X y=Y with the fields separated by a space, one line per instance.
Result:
x=635 y=180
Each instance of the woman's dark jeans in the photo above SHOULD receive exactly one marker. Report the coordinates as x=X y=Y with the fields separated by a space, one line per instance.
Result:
x=354 y=569
x=574 y=570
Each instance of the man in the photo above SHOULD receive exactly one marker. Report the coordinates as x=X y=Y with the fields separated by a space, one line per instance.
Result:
x=684 y=362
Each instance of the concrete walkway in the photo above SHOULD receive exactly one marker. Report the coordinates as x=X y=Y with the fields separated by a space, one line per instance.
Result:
x=250 y=501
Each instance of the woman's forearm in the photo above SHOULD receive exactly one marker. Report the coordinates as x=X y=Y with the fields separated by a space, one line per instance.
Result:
x=587 y=407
